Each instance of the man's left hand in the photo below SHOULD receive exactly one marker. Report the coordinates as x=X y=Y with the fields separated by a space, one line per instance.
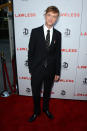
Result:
x=56 y=78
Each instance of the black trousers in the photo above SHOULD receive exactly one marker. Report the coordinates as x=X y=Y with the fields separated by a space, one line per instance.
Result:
x=38 y=77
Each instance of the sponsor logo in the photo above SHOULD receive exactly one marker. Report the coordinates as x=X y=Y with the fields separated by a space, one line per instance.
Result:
x=85 y=81
x=69 y=50
x=22 y=49
x=74 y=15
x=65 y=64
x=25 y=31
x=25 y=77
x=82 y=67
x=80 y=94
x=67 y=32
x=83 y=34
x=28 y=90
x=63 y=92
x=62 y=80
x=25 y=15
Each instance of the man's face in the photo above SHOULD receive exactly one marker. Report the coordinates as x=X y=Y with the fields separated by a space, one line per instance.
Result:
x=50 y=18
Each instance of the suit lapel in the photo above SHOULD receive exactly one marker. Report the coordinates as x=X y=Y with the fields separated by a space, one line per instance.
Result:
x=43 y=37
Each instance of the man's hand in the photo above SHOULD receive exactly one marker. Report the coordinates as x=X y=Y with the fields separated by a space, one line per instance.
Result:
x=56 y=78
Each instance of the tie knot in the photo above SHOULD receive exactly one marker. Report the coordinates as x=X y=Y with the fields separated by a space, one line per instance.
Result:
x=48 y=31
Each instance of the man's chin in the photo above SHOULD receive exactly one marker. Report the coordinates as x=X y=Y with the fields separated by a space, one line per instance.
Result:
x=50 y=24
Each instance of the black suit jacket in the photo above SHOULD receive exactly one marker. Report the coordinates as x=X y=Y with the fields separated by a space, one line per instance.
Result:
x=37 y=51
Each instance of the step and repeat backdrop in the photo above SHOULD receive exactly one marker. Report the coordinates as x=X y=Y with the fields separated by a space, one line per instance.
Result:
x=29 y=14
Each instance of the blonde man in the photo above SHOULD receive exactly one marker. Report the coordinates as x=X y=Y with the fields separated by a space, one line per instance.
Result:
x=44 y=60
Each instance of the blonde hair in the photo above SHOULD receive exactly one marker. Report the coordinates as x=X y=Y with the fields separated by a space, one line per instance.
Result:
x=52 y=9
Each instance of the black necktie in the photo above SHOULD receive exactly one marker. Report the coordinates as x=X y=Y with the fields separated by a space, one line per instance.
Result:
x=47 y=45
x=48 y=38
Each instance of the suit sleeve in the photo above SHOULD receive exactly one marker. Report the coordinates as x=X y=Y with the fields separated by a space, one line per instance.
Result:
x=58 y=55
x=30 y=51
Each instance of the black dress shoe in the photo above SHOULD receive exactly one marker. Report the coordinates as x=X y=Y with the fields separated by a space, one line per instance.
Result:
x=48 y=114
x=33 y=117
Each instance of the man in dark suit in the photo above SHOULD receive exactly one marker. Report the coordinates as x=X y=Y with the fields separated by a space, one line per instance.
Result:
x=44 y=60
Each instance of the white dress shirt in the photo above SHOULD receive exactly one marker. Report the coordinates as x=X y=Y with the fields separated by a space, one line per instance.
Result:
x=45 y=32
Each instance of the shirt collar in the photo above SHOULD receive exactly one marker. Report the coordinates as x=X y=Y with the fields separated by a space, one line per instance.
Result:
x=45 y=28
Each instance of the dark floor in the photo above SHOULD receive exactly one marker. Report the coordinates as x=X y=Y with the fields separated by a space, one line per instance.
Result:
x=5 y=47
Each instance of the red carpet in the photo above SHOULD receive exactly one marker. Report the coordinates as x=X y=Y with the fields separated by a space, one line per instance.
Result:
x=15 y=110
